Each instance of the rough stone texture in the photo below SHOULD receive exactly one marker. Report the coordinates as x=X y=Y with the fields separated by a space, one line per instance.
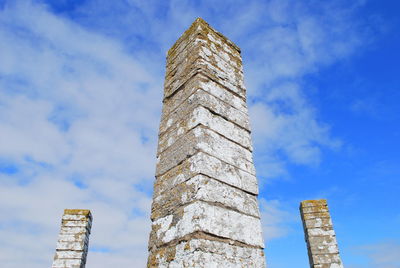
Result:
x=205 y=211
x=208 y=190
x=203 y=139
x=215 y=105
x=203 y=116
x=323 y=251
x=202 y=163
x=73 y=241
x=198 y=252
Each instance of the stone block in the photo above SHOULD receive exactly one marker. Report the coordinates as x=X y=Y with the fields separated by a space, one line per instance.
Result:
x=315 y=215
x=205 y=189
x=326 y=259
x=329 y=265
x=76 y=217
x=326 y=231
x=199 y=48
x=205 y=140
x=319 y=209
x=75 y=223
x=203 y=217
x=74 y=230
x=204 y=117
x=72 y=245
x=73 y=237
x=228 y=77
x=206 y=253
x=67 y=263
x=324 y=249
x=201 y=81
x=69 y=254
x=202 y=163
x=318 y=222
x=313 y=203
x=202 y=98
x=202 y=54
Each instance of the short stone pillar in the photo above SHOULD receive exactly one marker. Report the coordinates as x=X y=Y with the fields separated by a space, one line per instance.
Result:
x=323 y=251
x=205 y=211
x=73 y=241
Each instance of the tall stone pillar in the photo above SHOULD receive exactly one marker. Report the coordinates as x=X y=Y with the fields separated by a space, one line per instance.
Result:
x=205 y=211
x=73 y=242
x=323 y=251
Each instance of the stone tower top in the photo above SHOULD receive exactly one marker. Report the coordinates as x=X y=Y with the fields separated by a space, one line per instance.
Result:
x=203 y=50
x=201 y=28
x=320 y=237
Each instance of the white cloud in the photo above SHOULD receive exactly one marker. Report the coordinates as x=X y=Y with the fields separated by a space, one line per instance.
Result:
x=382 y=255
x=79 y=113
x=78 y=119
x=276 y=219
x=285 y=124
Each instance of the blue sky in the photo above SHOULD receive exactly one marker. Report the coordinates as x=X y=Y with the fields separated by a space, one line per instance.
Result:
x=80 y=99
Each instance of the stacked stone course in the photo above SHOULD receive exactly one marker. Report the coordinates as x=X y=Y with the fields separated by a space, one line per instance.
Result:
x=205 y=211
x=323 y=251
x=73 y=241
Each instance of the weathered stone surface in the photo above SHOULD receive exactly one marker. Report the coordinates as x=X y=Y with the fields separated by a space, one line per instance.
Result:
x=74 y=230
x=205 y=189
x=72 y=237
x=70 y=263
x=205 y=140
x=326 y=259
x=201 y=57
x=206 y=253
x=202 y=49
x=320 y=236
x=201 y=30
x=73 y=241
x=205 y=211
x=203 y=82
x=202 y=163
x=198 y=48
x=318 y=222
x=68 y=254
x=228 y=80
x=203 y=116
x=202 y=98
x=211 y=219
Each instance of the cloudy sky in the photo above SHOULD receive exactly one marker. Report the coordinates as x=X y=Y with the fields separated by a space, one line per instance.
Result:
x=80 y=98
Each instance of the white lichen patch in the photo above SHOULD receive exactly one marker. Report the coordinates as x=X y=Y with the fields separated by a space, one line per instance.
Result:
x=208 y=141
x=200 y=216
x=212 y=254
x=202 y=116
x=208 y=165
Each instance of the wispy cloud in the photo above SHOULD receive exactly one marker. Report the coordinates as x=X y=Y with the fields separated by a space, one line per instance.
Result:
x=80 y=97
x=78 y=120
x=276 y=219
x=382 y=255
